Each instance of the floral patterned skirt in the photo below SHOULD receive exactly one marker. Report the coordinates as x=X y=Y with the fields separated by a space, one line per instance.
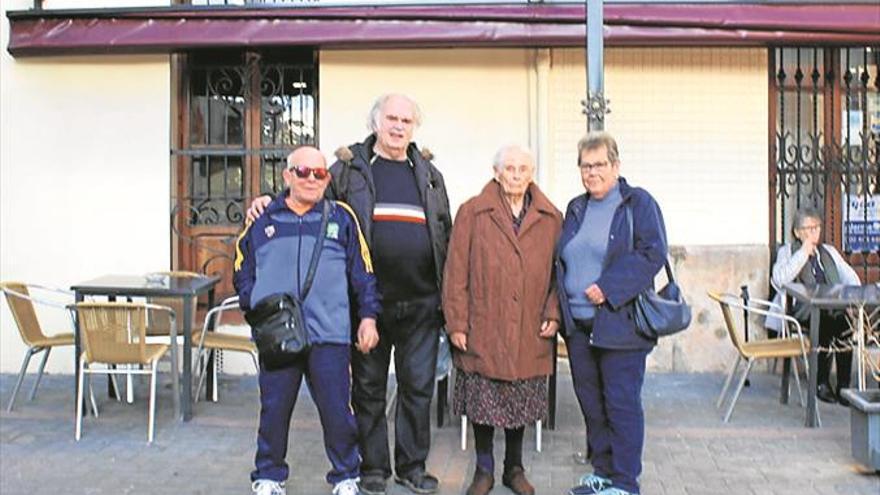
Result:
x=499 y=403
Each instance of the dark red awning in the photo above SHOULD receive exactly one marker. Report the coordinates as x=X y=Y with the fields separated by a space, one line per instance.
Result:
x=158 y=30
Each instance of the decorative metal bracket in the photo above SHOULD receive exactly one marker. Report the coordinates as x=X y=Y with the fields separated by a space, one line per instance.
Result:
x=596 y=108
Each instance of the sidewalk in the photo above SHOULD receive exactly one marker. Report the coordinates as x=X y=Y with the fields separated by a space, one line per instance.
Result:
x=765 y=449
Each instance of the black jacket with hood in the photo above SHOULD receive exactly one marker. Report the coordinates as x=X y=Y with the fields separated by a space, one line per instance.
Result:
x=353 y=183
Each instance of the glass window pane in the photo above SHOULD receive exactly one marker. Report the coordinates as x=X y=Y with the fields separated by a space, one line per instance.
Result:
x=218 y=105
x=217 y=190
x=288 y=105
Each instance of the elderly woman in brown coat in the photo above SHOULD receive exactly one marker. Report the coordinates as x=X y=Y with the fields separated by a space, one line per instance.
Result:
x=501 y=312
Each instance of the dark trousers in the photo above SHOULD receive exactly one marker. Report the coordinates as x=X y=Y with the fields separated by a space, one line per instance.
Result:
x=608 y=386
x=412 y=329
x=832 y=325
x=326 y=369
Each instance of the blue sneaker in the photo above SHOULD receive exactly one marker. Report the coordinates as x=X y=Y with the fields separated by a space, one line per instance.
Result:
x=590 y=484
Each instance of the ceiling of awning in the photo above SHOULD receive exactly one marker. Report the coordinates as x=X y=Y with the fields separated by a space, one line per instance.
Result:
x=168 y=29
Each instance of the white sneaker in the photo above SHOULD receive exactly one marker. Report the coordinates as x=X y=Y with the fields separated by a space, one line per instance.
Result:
x=347 y=487
x=268 y=487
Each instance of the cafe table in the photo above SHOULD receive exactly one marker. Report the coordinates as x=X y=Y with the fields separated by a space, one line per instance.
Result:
x=156 y=285
x=828 y=297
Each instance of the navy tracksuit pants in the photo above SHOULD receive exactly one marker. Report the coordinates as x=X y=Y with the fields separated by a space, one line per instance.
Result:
x=608 y=386
x=328 y=376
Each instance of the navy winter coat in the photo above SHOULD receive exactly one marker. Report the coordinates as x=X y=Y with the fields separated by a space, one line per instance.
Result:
x=353 y=183
x=625 y=272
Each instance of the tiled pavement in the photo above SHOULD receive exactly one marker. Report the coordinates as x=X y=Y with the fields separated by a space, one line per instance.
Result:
x=763 y=450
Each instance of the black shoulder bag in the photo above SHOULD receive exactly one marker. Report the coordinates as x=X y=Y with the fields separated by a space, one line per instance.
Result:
x=658 y=314
x=278 y=322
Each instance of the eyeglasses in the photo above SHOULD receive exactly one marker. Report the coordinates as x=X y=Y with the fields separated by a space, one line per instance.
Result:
x=303 y=172
x=593 y=167
x=811 y=228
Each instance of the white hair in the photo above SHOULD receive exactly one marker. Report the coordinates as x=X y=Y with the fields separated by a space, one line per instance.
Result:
x=375 y=116
x=505 y=150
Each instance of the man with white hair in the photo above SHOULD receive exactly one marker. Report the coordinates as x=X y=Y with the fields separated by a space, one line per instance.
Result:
x=400 y=201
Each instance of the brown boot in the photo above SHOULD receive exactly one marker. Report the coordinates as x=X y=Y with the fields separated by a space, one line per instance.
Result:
x=515 y=479
x=482 y=483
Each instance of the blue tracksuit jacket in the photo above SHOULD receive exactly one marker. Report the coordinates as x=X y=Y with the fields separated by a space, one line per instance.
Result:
x=273 y=255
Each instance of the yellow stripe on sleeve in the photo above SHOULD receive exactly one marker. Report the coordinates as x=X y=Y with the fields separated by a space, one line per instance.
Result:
x=365 y=250
x=239 y=255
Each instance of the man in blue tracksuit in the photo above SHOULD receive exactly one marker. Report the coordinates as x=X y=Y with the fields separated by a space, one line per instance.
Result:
x=272 y=257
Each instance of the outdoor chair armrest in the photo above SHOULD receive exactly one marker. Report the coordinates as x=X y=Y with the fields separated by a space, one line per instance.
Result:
x=766 y=303
x=733 y=302
x=227 y=304
x=38 y=300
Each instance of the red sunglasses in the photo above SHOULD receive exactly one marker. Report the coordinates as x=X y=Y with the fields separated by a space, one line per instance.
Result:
x=303 y=172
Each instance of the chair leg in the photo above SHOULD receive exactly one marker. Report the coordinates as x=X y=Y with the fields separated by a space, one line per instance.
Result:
x=79 y=400
x=538 y=432
x=152 y=414
x=202 y=362
x=92 y=400
x=24 y=365
x=214 y=388
x=727 y=381
x=40 y=372
x=797 y=382
x=463 y=432
x=200 y=380
x=129 y=387
x=256 y=360
x=115 y=382
x=739 y=388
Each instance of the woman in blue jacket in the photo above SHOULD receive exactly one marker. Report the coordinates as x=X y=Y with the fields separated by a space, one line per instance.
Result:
x=601 y=266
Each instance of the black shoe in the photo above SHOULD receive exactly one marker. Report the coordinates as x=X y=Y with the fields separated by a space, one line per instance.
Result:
x=825 y=394
x=372 y=485
x=515 y=479
x=841 y=399
x=419 y=481
x=482 y=483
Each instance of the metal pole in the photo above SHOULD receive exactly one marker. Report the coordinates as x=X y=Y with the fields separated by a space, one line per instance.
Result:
x=744 y=293
x=595 y=105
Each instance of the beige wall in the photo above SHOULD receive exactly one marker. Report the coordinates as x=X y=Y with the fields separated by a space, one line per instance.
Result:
x=84 y=173
x=691 y=124
x=473 y=102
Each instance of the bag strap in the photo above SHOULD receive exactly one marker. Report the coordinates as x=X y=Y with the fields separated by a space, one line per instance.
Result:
x=632 y=234
x=316 y=253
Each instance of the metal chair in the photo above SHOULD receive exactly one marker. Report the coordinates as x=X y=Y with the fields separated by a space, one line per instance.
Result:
x=786 y=346
x=115 y=334
x=213 y=341
x=21 y=305
x=160 y=325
